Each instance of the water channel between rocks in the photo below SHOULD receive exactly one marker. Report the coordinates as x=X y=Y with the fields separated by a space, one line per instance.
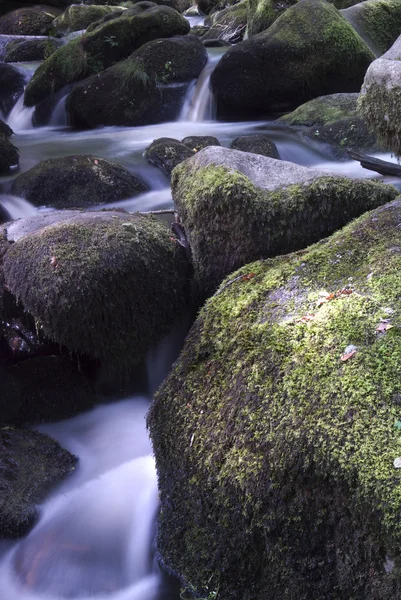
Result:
x=95 y=535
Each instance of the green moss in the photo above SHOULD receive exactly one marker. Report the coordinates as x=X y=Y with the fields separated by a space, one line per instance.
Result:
x=379 y=106
x=77 y=17
x=323 y=110
x=263 y=13
x=379 y=21
x=274 y=456
x=102 y=284
x=230 y=222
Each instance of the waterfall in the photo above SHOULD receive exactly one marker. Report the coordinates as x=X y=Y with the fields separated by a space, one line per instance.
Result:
x=59 y=115
x=20 y=118
x=16 y=207
x=199 y=103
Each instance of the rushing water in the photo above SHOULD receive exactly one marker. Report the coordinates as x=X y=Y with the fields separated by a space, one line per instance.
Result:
x=95 y=535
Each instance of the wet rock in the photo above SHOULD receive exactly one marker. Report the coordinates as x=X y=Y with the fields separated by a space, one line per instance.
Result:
x=334 y=120
x=378 y=22
x=198 y=142
x=237 y=207
x=30 y=50
x=257 y=144
x=52 y=389
x=268 y=445
x=5 y=129
x=80 y=16
x=167 y=153
x=149 y=87
x=9 y=155
x=101 y=48
x=227 y=25
x=106 y=285
x=11 y=397
x=12 y=83
x=380 y=99
x=33 y=20
x=30 y=464
x=268 y=72
x=76 y=181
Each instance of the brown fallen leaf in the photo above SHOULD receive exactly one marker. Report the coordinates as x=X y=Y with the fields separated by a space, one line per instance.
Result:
x=348 y=355
x=305 y=318
x=383 y=327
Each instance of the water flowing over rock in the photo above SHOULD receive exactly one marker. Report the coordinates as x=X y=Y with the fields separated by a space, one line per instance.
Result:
x=237 y=207
x=148 y=87
x=276 y=444
x=309 y=51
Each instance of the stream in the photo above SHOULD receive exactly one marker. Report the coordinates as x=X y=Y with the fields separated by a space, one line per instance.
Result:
x=95 y=536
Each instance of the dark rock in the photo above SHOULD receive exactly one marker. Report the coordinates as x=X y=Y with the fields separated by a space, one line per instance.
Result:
x=198 y=142
x=9 y=155
x=263 y=13
x=106 y=284
x=167 y=153
x=269 y=71
x=237 y=207
x=149 y=87
x=79 y=16
x=52 y=389
x=76 y=181
x=12 y=83
x=30 y=464
x=101 y=48
x=227 y=25
x=30 y=50
x=5 y=129
x=35 y=20
x=257 y=144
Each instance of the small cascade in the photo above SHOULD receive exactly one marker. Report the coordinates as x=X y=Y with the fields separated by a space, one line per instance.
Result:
x=16 y=207
x=199 y=103
x=20 y=118
x=59 y=116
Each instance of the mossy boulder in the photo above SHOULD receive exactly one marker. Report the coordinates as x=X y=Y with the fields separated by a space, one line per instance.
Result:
x=5 y=129
x=101 y=48
x=167 y=153
x=149 y=87
x=9 y=155
x=237 y=207
x=33 y=20
x=309 y=51
x=378 y=22
x=106 y=284
x=198 y=142
x=76 y=181
x=51 y=389
x=263 y=13
x=30 y=50
x=256 y=144
x=12 y=83
x=228 y=25
x=31 y=464
x=80 y=16
x=379 y=103
x=277 y=437
x=334 y=120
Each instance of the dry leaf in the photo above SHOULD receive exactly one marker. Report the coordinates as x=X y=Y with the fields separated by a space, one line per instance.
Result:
x=348 y=355
x=383 y=327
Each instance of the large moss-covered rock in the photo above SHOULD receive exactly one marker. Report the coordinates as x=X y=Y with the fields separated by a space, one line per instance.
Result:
x=149 y=87
x=76 y=181
x=30 y=464
x=33 y=20
x=12 y=83
x=334 y=120
x=104 y=284
x=31 y=49
x=101 y=48
x=237 y=207
x=380 y=99
x=263 y=13
x=309 y=51
x=277 y=435
x=79 y=16
x=378 y=22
